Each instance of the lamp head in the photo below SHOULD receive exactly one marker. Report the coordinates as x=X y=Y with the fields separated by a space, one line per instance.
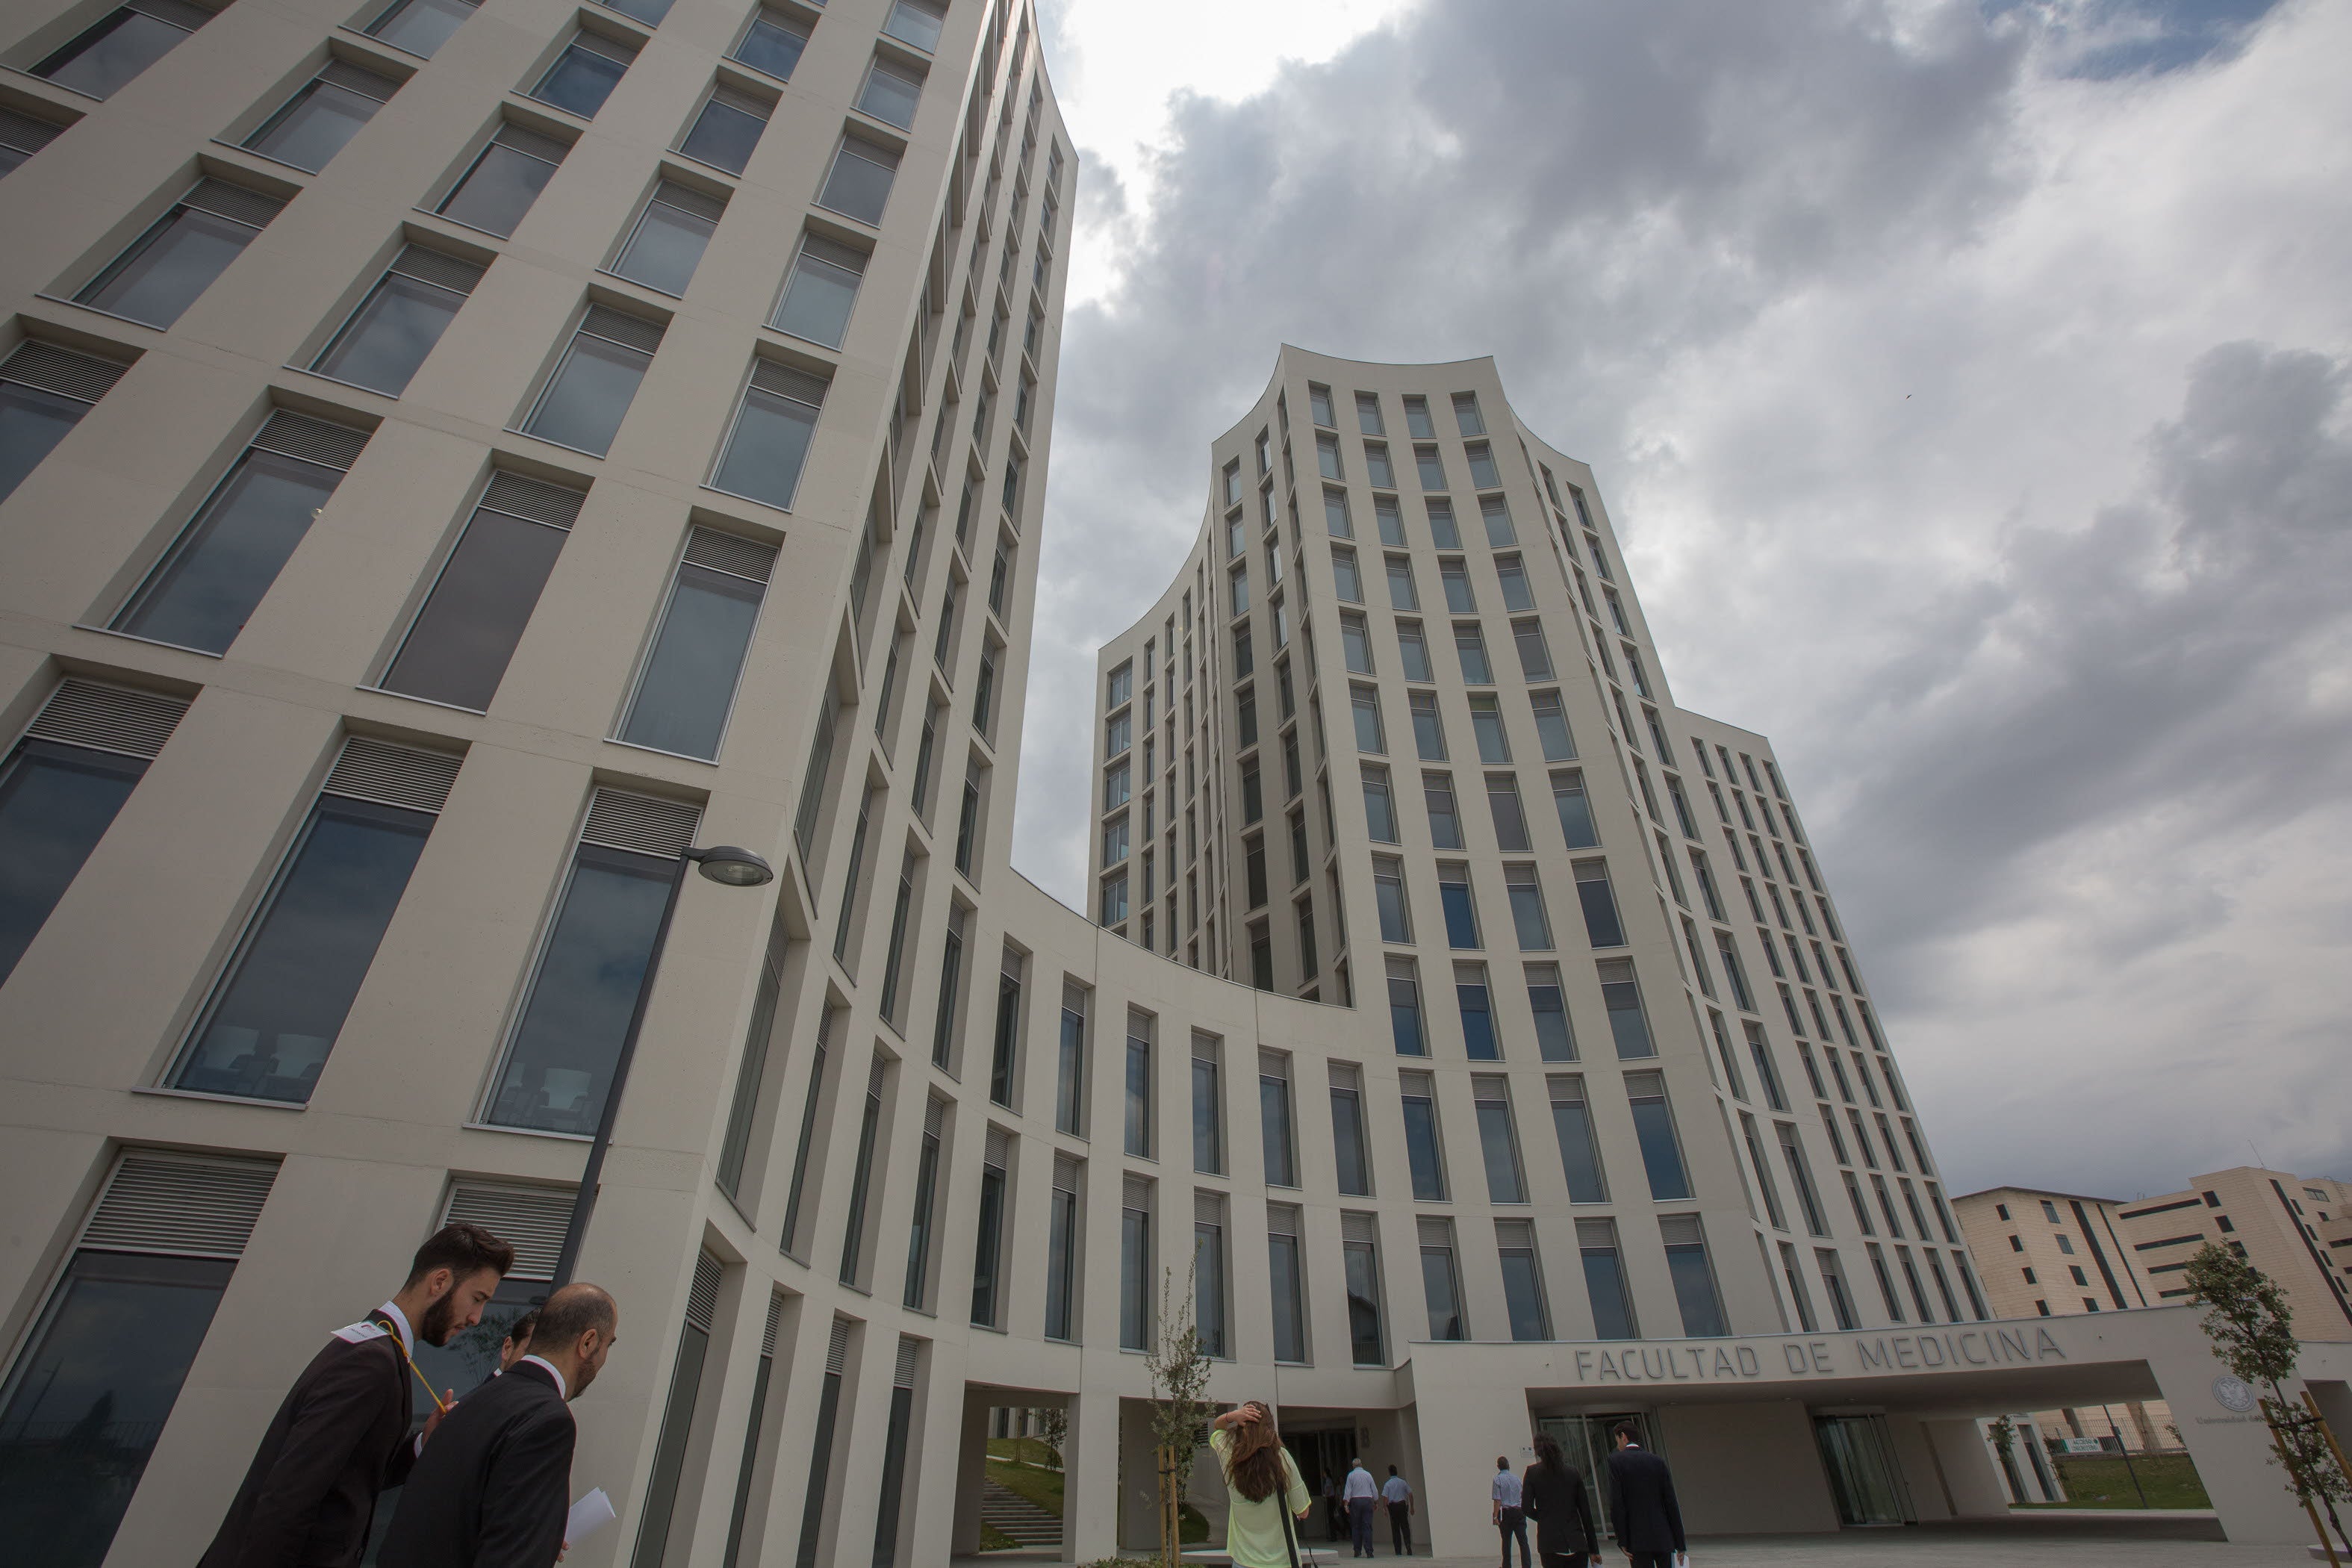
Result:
x=732 y=866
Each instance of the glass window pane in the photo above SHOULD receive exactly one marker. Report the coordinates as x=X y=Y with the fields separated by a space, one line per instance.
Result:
x=858 y=186
x=497 y=190
x=32 y=421
x=1503 y=1184
x=1288 y=1282
x=588 y=394
x=915 y=22
x=772 y=45
x=110 y=54
x=1579 y=1157
x=1461 y=919
x=459 y=649
x=817 y=301
x=1605 y=1282
x=723 y=136
x=313 y=128
x=1438 y=1286
x=585 y=988
x=91 y=1396
x=1575 y=816
x=287 y=993
x=222 y=565
x=171 y=264
x=1364 y=1304
x=649 y=12
x=666 y=248
x=420 y=27
x=889 y=95
x=689 y=681
x=1347 y=1142
x=1209 y=1298
x=771 y=442
x=1660 y=1155
x=1555 y=1042
x=55 y=803
x=389 y=334
x=1421 y=1148
x=1702 y=1312
x=1477 y=1024
x=1274 y=1115
x=1601 y=922
x=1523 y=1292
x=580 y=80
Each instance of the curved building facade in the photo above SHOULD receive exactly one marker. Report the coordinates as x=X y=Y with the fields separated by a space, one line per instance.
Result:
x=459 y=462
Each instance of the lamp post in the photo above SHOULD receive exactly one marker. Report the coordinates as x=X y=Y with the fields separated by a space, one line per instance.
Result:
x=730 y=867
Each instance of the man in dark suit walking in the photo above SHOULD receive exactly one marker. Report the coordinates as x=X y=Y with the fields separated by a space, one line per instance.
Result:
x=342 y=1434
x=1642 y=1506
x=495 y=1488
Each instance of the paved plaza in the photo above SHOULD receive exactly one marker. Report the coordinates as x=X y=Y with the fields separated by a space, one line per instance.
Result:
x=2043 y=1541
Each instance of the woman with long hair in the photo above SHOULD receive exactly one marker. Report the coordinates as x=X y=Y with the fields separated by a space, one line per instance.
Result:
x=1266 y=1495
x=1553 y=1495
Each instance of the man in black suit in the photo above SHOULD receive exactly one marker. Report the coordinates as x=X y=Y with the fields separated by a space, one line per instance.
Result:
x=1642 y=1506
x=342 y=1434
x=496 y=1486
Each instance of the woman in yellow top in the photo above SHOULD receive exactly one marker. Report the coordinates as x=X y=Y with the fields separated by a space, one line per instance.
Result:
x=1263 y=1484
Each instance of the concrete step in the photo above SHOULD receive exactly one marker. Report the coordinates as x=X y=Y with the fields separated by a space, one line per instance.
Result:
x=1018 y=1518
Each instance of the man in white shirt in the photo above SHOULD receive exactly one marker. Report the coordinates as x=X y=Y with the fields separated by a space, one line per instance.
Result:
x=1398 y=1498
x=1509 y=1516
x=1360 y=1494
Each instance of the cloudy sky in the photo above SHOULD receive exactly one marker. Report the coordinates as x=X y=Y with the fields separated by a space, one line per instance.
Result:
x=1972 y=385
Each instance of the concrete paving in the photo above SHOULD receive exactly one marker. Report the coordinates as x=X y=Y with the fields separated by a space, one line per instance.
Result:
x=2090 y=1539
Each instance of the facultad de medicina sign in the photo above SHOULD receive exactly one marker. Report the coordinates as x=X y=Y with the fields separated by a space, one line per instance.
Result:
x=1856 y=1357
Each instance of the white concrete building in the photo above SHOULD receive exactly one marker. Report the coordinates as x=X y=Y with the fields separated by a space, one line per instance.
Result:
x=456 y=460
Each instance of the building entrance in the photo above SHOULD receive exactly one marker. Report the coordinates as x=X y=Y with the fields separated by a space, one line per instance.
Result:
x=1322 y=1457
x=1864 y=1475
x=1588 y=1443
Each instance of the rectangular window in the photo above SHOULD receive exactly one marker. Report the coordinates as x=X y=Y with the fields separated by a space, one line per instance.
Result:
x=772 y=43
x=1138 y=1095
x=504 y=180
x=1654 y=1125
x=666 y=246
x=1424 y=1154
x=324 y=113
x=1470 y=650
x=1493 y=510
x=1364 y=701
x=1523 y=1291
x=1209 y=1274
x=44 y=392
x=1621 y=995
x=1345 y=584
x=1062 y=1252
x=1552 y=727
x=1377 y=468
x=1278 y=1141
x=1575 y=810
x=1534 y=656
x=1454 y=896
x=1441 y=1280
x=1004 y=1053
x=1486 y=725
x=105 y=1357
x=1593 y=890
x=1135 y=1273
x=1389 y=520
x=1800 y=1178
x=1513 y=575
x=1473 y=1003
x=859 y=183
x=1318 y=406
x=1208 y=1109
x=891 y=93
x=1326 y=457
x=1579 y=1153
x=111 y=51
x=176 y=259
x=1510 y=818
x=1287 y=1282
x=1466 y=417
x=895 y=955
x=1555 y=1038
x=819 y=291
x=1694 y=1276
x=1431 y=467
x=399 y=321
x=1368 y=414
x=988 y=1252
x=861 y=1173
x=1412 y=651
x=1428 y=728
x=1402 y=595
x=773 y=426
x=687 y=689
x=1529 y=917
x=1359 y=1246
x=1454 y=574
x=1604 y=1280
x=1833 y=1284
x=917 y=22
x=1498 y=1139
x=595 y=381
x=1349 y=1150
x=1404 y=1009
x=585 y=73
x=1442 y=532
x=1732 y=971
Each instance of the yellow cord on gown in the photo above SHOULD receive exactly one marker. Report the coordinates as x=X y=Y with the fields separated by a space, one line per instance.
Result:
x=400 y=1345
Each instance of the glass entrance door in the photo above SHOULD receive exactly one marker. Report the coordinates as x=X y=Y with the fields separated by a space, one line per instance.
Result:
x=1859 y=1456
x=1588 y=1443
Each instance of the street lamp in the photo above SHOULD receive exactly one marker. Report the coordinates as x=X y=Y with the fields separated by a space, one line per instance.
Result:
x=730 y=867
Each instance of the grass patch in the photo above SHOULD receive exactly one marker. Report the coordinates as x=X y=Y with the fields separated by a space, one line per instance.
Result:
x=1043 y=1487
x=1191 y=1525
x=1023 y=1450
x=994 y=1540
x=2100 y=1480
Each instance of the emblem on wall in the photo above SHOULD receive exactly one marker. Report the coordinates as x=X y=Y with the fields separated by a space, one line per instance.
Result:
x=2231 y=1393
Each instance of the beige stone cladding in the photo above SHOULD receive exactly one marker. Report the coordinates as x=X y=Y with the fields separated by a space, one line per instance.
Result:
x=2292 y=1227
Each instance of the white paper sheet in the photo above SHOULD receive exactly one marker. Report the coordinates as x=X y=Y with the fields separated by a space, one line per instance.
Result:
x=589 y=1515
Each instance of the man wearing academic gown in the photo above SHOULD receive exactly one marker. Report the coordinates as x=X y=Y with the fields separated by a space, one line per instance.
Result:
x=342 y=1434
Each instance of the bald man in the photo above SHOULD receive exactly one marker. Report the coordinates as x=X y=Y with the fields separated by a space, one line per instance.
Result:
x=492 y=1488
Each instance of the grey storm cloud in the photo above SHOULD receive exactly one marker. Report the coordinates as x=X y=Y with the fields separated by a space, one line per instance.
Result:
x=1971 y=384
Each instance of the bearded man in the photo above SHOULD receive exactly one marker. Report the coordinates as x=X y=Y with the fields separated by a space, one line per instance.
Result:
x=341 y=1436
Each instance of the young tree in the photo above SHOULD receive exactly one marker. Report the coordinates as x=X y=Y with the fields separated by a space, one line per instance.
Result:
x=1054 y=1430
x=2252 y=1331
x=1179 y=1374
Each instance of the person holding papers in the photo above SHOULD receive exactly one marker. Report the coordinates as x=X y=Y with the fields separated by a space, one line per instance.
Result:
x=494 y=1488
x=341 y=1436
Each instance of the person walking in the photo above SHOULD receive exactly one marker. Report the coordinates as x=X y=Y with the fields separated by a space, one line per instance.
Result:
x=342 y=1434
x=1552 y=1491
x=1360 y=1494
x=495 y=1489
x=1266 y=1496
x=1335 y=1511
x=1509 y=1516
x=1642 y=1506
x=1399 y=1497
